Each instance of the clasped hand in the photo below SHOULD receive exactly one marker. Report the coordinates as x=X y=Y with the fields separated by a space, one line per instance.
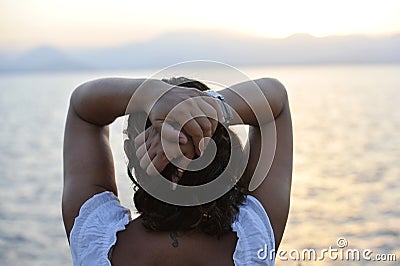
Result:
x=180 y=119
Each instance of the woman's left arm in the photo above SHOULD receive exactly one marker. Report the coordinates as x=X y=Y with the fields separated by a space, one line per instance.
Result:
x=88 y=161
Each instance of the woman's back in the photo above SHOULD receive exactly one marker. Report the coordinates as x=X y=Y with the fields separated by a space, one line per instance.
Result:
x=138 y=246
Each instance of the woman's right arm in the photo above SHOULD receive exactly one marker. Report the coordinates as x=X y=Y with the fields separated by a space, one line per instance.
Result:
x=274 y=190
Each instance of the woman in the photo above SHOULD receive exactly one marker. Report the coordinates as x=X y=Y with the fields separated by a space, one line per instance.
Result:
x=241 y=227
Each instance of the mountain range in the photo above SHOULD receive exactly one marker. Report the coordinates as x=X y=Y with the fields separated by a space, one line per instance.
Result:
x=229 y=48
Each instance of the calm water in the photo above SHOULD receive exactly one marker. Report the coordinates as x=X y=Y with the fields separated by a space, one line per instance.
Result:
x=346 y=175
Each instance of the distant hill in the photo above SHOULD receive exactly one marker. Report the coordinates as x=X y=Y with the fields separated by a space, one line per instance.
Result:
x=41 y=59
x=232 y=49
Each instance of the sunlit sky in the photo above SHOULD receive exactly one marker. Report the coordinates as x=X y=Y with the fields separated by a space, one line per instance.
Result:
x=86 y=23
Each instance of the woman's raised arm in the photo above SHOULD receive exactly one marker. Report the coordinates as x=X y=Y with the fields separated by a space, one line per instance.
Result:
x=271 y=157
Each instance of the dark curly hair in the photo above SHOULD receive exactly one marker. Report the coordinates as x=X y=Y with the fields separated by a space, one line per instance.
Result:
x=212 y=218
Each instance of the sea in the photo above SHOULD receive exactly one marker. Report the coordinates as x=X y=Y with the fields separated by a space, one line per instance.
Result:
x=345 y=201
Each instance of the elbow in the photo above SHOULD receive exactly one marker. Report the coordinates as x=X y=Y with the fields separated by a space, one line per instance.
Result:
x=80 y=93
x=76 y=98
x=82 y=97
x=278 y=96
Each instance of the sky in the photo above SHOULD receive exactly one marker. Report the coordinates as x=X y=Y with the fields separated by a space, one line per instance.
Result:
x=26 y=24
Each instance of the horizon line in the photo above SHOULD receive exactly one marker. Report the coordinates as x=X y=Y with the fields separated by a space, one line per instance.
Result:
x=14 y=50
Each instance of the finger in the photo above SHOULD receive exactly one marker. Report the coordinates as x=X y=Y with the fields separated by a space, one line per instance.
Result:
x=154 y=150
x=144 y=147
x=211 y=108
x=188 y=150
x=193 y=129
x=149 y=132
x=211 y=114
x=202 y=116
x=141 y=151
x=169 y=133
x=217 y=107
x=171 y=149
x=157 y=124
x=157 y=165
x=182 y=138
x=205 y=125
x=140 y=139
x=145 y=161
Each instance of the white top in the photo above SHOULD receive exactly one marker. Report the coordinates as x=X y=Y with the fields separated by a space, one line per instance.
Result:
x=102 y=216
